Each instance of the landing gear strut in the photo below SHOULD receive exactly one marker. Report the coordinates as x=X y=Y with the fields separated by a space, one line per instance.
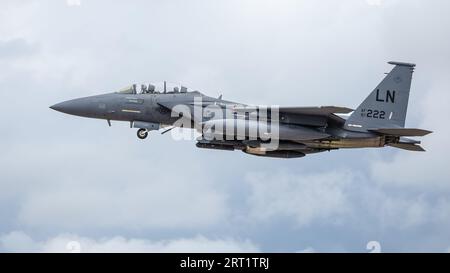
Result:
x=142 y=133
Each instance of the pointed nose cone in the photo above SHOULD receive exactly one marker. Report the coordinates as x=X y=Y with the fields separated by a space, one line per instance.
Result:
x=58 y=107
x=68 y=107
x=78 y=107
x=89 y=107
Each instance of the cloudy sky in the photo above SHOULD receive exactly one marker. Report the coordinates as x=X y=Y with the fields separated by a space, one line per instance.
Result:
x=68 y=182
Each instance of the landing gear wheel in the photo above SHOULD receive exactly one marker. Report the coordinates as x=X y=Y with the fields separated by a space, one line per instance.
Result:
x=142 y=133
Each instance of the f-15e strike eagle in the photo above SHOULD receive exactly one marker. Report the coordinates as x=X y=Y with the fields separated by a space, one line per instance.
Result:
x=270 y=131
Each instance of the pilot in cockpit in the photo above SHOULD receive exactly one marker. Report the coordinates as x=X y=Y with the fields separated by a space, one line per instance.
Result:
x=144 y=89
x=147 y=89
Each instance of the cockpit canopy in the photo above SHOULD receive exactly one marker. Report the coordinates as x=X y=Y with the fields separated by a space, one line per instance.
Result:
x=158 y=88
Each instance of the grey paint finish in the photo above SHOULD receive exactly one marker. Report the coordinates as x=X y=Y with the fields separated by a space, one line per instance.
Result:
x=387 y=105
x=379 y=120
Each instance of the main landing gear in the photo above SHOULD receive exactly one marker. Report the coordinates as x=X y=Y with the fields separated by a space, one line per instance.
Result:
x=142 y=133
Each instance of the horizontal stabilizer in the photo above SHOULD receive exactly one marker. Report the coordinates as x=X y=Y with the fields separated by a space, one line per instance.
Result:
x=408 y=147
x=401 y=132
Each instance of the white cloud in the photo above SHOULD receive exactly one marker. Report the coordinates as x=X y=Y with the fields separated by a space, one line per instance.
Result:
x=64 y=174
x=374 y=2
x=307 y=250
x=70 y=195
x=304 y=197
x=409 y=211
x=18 y=241
x=72 y=3
x=422 y=171
x=342 y=198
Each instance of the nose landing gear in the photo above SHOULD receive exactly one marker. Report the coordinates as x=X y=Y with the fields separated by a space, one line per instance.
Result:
x=142 y=133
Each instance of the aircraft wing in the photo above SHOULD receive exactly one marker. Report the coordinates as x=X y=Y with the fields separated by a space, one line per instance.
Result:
x=310 y=111
x=310 y=116
x=316 y=111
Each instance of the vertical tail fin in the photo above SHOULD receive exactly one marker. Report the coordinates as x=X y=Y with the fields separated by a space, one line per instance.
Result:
x=387 y=105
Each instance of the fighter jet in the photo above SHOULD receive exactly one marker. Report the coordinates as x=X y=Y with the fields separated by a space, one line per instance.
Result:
x=268 y=131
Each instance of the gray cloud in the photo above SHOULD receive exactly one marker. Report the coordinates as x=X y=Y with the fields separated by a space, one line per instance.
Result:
x=66 y=175
x=306 y=198
x=15 y=48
